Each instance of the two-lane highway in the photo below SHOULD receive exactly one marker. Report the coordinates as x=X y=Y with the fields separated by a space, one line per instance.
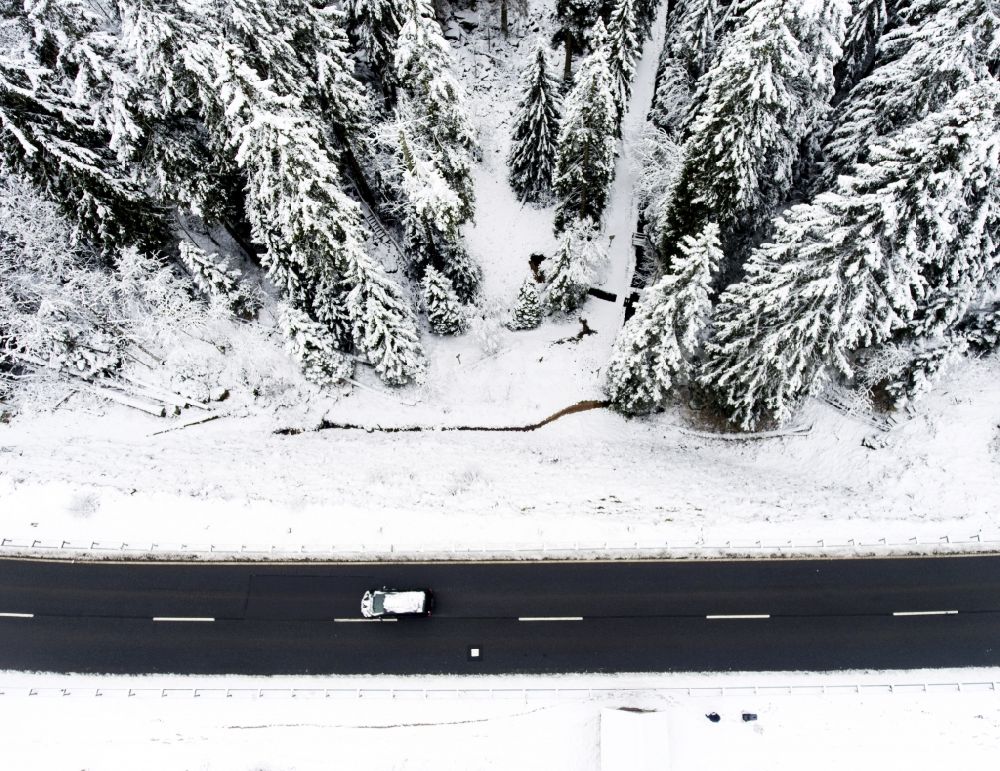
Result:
x=145 y=617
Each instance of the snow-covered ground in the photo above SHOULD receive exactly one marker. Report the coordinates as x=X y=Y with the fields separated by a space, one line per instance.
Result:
x=797 y=728
x=589 y=478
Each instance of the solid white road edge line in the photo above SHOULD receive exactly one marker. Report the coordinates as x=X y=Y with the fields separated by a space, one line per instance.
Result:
x=182 y=618
x=17 y=615
x=926 y=613
x=550 y=618
x=364 y=620
x=743 y=615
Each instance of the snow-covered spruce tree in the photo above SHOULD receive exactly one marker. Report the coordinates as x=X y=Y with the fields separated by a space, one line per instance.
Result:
x=535 y=130
x=659 y=347
x=586 y=158
x=693 y=31
x=576 y=19
x=293 y=182
x=432 y=213
x=938 y=48
x=766 y=92
x=575 y=267
x=900 y=250
x=212 y=57
x=645 y=15
x=382 y=322
x=436 y=100
x=53 y=142
x=323 y=49
x=375 y=25
x=623 y=47
x=212 y=274
x=79 y=43
x=671 y=98
x=311 y=344
x=864 y=30
x=444 y=312
x=527 y=313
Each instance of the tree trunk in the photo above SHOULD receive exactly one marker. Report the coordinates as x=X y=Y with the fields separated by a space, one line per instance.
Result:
x=504 y=26
x=568 y=64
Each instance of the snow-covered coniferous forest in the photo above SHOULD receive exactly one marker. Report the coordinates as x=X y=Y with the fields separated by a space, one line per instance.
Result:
x=404 y=208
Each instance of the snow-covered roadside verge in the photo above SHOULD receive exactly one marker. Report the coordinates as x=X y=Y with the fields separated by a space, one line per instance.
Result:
x=587 y=480
x=924 y=721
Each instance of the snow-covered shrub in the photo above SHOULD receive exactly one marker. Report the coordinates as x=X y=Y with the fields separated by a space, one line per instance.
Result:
x=982 y=328
x=444 y=311
x=527 y=313
x=212 y=274
x=487 y=326
x=69 y=321
x=919 y=373
x=311 y=344
x=659 y=161
x=575 y=267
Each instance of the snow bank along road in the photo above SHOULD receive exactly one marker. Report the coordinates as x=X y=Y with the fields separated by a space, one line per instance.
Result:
x=501 y=617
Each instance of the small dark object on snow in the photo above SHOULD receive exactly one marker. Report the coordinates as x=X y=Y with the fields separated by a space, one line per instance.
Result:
x=600 y=294
x=749 y=717
x=535 y=261
x=714 y=717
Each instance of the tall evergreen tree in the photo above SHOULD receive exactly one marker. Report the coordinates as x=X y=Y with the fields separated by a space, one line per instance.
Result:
x=586 y=161
x=940 y=47
x=900 y=249
x=432 y=215
x=535 y=130
x=645 y=16
x=425 y=70
x=623 y=47
x=864 y=30
x=375 y=25
x=382 y=322
x=693 y=33
x=766 y=92
x=53 y=142
x=332 y=88
x=694 y=29
x=215 y=58
x=659 y=347
x=576 y=19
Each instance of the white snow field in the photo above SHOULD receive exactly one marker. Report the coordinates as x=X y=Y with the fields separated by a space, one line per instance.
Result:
x=849 y=720
x=587 y=479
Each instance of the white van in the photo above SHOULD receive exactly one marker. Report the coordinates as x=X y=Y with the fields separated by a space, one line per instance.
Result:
x=379 y=603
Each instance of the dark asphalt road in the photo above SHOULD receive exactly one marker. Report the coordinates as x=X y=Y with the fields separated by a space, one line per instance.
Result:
x=636 y=616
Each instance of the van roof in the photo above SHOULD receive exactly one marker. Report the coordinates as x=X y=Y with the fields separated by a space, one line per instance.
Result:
x=405 y=602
